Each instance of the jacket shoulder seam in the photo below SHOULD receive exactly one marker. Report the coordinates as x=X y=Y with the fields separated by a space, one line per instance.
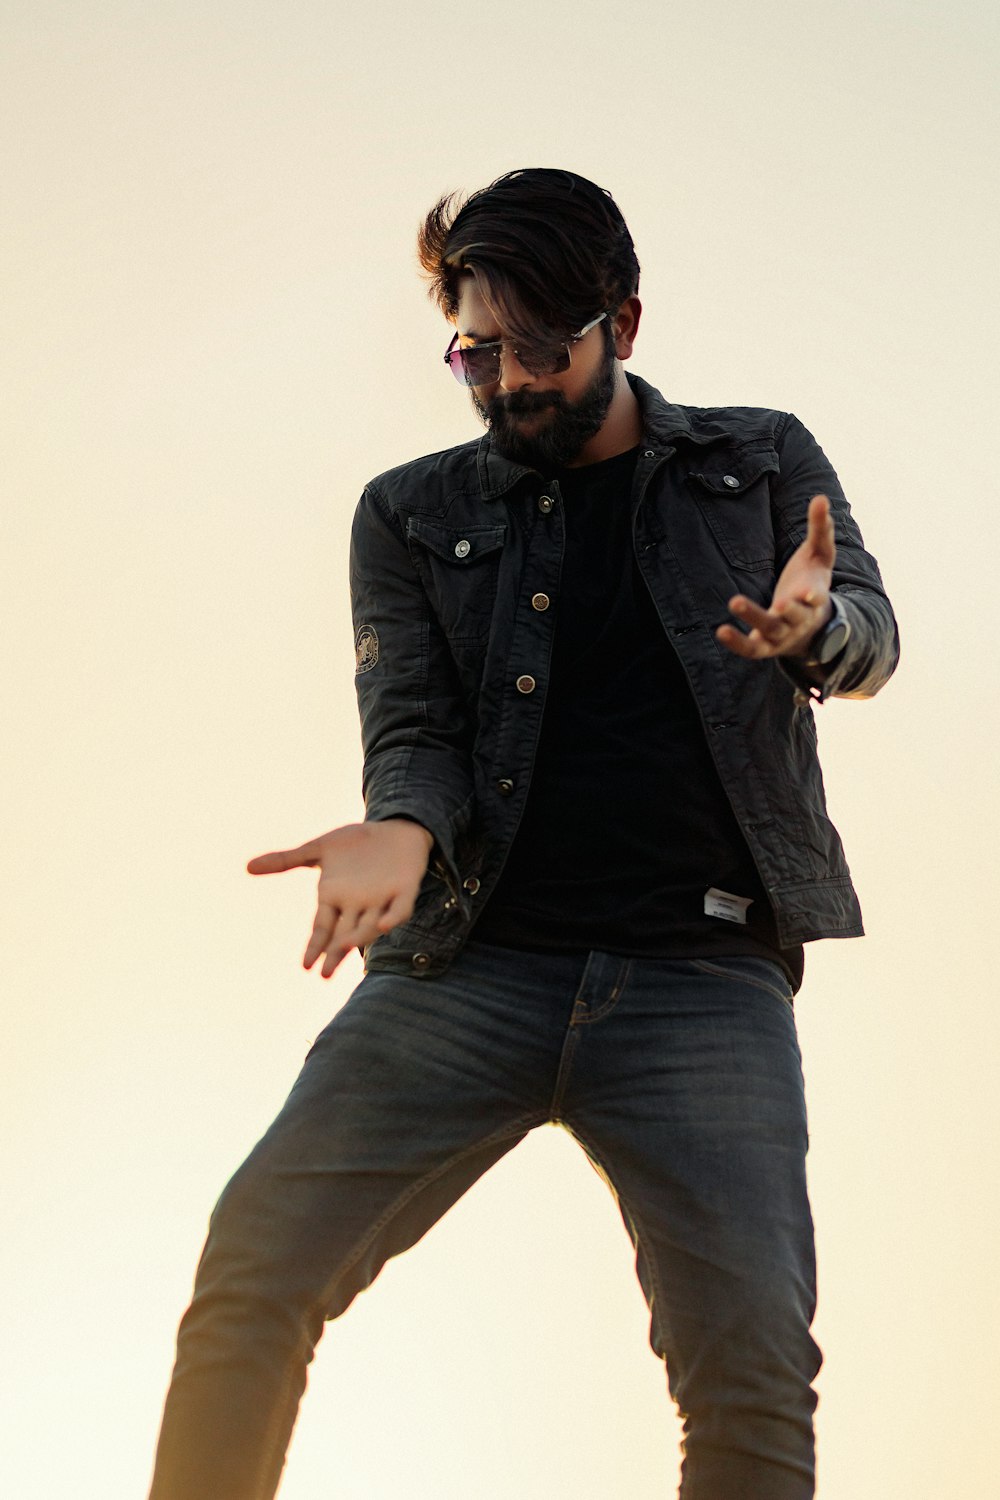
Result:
x=388 y=515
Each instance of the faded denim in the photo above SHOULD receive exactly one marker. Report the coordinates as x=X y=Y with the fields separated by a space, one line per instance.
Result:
x=682 y=1081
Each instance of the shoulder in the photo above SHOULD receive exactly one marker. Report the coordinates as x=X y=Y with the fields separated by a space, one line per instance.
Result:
x=737 y=422
x=672 y=420
x=424 y=481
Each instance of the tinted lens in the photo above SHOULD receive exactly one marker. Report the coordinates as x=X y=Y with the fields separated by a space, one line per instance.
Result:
x=552 y=360
x=480 y=365
x=476 y=366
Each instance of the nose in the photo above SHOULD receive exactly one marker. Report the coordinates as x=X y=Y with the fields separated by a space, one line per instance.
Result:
x=513 y=375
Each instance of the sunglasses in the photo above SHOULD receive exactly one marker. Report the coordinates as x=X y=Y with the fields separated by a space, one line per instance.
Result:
x=479 y=364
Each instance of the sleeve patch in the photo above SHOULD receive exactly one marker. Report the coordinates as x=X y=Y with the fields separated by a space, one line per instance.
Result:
x=366 y=648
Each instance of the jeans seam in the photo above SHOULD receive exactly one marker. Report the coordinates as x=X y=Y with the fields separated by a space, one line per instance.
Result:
x=641 y=1237
x=277 y=1423
x=517 y=1128
x=758 y=984
x=570 y=1045
x=621 y=979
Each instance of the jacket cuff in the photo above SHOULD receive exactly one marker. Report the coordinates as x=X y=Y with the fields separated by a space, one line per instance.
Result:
x=821 y=682
x=810 y=682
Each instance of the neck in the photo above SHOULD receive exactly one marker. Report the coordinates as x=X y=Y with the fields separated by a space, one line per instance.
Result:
x=620 y=430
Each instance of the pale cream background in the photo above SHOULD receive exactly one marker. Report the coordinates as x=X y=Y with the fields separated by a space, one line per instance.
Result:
x=212 y=334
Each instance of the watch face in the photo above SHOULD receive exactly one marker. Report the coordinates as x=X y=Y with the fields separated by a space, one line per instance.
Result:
x=834 y=640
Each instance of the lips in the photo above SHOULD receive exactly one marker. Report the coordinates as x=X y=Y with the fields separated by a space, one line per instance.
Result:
x=519 y=410
x=527 y=416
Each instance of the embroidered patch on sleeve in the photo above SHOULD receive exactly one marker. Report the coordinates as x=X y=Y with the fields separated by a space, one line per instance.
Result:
x=366 y=647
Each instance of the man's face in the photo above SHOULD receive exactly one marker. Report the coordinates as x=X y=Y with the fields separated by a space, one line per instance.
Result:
x=541 y=420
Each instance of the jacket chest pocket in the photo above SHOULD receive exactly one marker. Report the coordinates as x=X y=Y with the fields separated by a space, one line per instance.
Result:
x=458 y=568
x=734 y=497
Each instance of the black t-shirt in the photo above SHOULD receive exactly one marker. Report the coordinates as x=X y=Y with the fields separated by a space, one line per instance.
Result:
x=627 y=827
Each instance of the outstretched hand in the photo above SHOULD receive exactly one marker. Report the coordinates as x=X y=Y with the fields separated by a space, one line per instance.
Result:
x=801 y=605
x=370 y=874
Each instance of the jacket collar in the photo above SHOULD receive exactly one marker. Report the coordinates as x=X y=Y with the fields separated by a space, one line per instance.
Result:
x=663 y=426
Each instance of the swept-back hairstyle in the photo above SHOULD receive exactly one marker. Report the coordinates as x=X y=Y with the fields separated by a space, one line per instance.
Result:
x=549 y=249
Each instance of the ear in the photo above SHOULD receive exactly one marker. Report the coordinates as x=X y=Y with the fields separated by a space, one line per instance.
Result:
x=626 y=325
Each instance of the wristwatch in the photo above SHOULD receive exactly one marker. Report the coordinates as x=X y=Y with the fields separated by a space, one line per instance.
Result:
x=829 y=641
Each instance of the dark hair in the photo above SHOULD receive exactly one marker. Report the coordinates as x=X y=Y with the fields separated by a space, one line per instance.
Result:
x=547 y=246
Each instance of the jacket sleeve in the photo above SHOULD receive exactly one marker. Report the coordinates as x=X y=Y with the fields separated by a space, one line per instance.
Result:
x=415 y=732
x=872 y=651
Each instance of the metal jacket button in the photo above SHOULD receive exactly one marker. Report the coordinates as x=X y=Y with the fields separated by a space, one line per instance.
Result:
x=471 y=884
x=526 y=684
x=545 y=504
x=505 y=786
x=540 y=601
x=463 y=548
x=731 y=480
x=421 y=960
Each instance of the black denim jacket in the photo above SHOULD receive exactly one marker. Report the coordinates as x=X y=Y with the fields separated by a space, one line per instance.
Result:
x=447 y=553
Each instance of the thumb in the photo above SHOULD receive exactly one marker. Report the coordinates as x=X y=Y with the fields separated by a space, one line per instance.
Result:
x=820 y=534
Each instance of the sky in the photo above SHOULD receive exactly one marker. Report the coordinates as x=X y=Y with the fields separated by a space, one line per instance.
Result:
x=212 y=332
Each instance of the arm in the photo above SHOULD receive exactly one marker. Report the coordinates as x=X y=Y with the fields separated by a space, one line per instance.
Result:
x=415 y=729
x=417 y=770
x=819 y=550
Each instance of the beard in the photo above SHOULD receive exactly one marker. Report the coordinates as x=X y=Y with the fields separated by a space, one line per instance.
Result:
x=560 y=437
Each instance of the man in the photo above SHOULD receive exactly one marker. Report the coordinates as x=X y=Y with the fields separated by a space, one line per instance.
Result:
x=595 y=842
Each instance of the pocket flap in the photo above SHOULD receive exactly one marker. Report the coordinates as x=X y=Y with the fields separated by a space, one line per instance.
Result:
x=460 y=546
x=736 y=477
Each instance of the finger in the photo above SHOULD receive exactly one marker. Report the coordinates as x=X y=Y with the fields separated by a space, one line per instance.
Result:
x=367 y=926
x=285 y=859
x=335 y=957
x=795 y=614
x=746 y=610
x=397 y=910
x=343 y=942
x=820 y=534
x=322 y=931
x=808 y=610
x=751 y=647
x=780 y=637
x=769 y=622
x=347 y=924
x=354 y=929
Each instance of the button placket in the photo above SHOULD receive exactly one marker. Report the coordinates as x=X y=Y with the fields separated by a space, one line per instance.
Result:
x=531 y=641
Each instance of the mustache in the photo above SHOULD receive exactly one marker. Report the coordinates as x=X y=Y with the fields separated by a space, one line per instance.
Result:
x=524 y=403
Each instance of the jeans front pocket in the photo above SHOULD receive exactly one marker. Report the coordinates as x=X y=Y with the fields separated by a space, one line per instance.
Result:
x=762 y=973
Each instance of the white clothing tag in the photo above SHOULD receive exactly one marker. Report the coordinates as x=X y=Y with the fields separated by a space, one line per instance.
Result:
x=724 y=904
